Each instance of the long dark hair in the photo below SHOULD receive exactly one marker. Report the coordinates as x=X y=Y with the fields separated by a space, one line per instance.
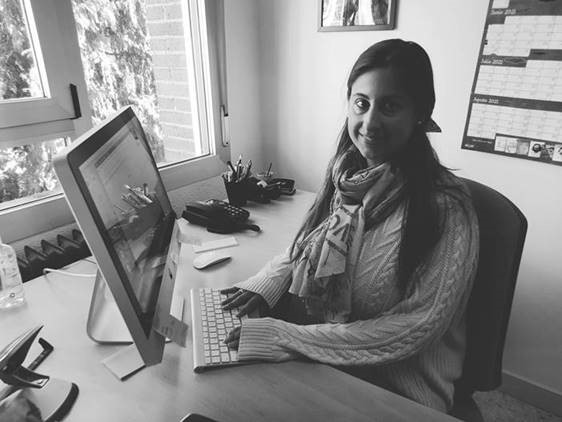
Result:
x=423 y=174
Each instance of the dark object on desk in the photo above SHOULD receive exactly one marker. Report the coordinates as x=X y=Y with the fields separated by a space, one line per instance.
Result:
x=236 y=191
x=196 y=417
x=218 y=216
x=47 y=349
x=262 y=191
x=286 y=186
x=502 y=235
x=39 y=396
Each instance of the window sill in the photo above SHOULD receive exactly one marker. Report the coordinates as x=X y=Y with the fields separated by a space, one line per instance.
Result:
x=52 y=212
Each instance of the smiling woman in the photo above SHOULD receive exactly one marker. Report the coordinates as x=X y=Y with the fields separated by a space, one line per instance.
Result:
x=378 y=277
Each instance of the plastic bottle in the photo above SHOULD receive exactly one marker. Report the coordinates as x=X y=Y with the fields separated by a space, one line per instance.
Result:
x=11 y=286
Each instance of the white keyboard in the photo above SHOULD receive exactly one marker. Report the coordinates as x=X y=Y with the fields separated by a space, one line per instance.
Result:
x=210 y=326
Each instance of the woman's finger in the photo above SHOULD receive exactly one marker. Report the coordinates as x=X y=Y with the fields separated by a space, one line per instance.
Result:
x=231 y=298
x=233 y=337
x=250 y=306
x=226 y=304
x=229 y=290
x=233 y=345
x=238 y=300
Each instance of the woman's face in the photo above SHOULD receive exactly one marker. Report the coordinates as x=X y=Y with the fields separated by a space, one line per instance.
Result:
x=380 y=116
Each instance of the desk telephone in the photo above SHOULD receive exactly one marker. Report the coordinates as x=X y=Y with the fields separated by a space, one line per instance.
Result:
x=218 y=216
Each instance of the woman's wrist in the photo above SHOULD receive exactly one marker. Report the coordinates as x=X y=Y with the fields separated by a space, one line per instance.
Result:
x=257 y=339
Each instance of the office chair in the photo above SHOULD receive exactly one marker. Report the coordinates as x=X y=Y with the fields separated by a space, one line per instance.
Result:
x=502 y=234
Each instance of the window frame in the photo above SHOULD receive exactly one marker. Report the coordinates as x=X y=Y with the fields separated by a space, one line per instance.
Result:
x=50 y=47
x=41 y=215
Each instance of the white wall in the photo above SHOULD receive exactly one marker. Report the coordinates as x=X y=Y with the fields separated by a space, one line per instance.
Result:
x=244 y=99
x=302 y=102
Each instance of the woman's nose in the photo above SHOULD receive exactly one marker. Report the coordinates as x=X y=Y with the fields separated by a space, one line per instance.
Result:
x=371 y=120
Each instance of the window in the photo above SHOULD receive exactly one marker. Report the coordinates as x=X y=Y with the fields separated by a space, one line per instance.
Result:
x=162 y=57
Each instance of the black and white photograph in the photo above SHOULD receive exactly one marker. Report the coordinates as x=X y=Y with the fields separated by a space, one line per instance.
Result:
x=280 y=210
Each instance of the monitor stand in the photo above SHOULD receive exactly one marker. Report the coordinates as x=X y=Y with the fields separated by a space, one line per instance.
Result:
x=105 y=324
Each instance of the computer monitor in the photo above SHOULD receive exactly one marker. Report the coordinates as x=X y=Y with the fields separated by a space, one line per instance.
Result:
x=114 y=189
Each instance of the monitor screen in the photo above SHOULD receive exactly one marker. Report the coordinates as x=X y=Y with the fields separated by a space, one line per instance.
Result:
x=129 y=198
x=119 y=185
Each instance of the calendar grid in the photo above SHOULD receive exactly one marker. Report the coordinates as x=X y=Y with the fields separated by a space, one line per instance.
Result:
x=516 y=101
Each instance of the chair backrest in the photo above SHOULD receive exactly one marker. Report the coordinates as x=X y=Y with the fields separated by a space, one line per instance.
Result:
x=502 y=234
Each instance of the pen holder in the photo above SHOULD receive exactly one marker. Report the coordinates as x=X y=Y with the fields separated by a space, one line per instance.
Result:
x=236 y=192
x=266 y=176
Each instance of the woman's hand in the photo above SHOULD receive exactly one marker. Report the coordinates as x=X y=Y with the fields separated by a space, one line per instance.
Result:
x=232 y=340
x=244 y=300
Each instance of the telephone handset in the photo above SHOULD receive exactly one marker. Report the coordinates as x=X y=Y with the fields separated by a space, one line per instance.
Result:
x=218 y=216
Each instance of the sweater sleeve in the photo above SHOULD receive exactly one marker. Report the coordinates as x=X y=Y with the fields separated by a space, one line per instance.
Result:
x=423 y=316
x=272 y=281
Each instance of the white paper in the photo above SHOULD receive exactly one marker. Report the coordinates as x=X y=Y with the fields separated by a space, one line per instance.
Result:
x=186 y=235
x=215 y=244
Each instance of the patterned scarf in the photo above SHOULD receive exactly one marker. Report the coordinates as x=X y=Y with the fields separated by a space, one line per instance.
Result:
x=363 y=197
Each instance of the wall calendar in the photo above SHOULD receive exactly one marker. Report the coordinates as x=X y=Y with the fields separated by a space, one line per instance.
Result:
x=516 y=101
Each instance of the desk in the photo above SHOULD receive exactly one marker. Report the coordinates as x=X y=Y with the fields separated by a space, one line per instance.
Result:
x=290 y=391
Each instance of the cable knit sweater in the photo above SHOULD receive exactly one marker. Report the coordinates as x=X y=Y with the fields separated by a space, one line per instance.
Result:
x=412 y=344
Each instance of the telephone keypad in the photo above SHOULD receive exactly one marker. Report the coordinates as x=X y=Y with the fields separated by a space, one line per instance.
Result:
x=238 y=214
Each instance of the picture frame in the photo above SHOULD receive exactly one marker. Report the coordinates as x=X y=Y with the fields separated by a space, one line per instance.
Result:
x=356 y=15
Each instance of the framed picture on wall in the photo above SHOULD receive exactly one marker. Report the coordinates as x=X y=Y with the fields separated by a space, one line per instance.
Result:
x=356 y=15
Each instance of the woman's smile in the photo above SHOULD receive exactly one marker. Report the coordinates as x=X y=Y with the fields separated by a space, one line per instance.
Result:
x=370 y=138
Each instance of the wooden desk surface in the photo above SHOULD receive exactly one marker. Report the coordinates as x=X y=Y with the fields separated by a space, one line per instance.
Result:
x=290 y=391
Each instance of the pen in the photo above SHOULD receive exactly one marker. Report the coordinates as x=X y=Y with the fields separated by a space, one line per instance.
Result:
x=231 y=166
x=269 y=169
x=248 y=167
x=239 y=167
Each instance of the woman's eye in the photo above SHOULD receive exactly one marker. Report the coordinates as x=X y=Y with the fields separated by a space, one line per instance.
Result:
x=361 y=105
